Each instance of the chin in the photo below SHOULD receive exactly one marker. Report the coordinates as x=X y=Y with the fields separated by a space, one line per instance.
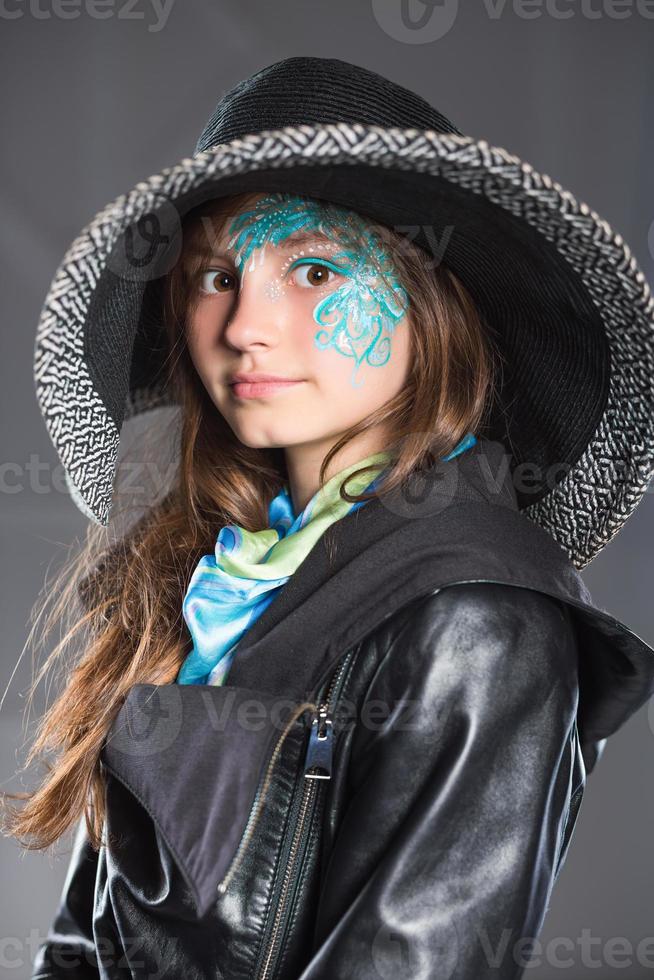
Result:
x=258 y=439
x=281 y=437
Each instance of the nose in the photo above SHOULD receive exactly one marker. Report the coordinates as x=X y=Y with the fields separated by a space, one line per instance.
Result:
x=260 y=309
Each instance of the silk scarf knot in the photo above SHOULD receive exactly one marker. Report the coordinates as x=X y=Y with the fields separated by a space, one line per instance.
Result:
x=231 y=588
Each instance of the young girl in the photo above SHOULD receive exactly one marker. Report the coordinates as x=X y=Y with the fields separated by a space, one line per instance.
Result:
x=341 y=684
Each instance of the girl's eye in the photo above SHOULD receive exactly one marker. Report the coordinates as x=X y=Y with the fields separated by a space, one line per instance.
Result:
x=313 y=274
x=217 y=281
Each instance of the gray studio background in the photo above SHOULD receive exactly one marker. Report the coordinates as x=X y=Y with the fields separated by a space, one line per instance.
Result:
x=91 y=104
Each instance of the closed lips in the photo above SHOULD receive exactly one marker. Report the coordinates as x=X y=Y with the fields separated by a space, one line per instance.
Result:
x=262 y=378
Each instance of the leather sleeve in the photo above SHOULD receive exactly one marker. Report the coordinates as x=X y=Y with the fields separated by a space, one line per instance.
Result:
x=460 y=779
x=69 y=950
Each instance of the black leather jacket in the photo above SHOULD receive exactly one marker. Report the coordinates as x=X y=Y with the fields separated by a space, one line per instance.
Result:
x=457 y=730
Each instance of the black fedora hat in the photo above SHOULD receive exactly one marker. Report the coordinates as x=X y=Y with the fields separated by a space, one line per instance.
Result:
x=570 y=310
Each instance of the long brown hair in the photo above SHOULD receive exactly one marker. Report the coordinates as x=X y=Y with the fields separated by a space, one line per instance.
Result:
x=120 y=599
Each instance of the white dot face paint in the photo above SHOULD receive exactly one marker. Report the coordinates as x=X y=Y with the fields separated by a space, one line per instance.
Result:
x=273 y=290
x=288 y=295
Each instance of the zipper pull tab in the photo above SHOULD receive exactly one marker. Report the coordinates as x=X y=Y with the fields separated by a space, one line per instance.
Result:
x=319 y=750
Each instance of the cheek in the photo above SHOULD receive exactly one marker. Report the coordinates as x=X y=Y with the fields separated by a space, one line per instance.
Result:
x=357 y=358
x=363 y=326
x=335 y=396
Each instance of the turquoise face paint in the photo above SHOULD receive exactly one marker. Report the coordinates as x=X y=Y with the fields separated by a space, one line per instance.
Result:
x=274 y=218
x=363 y=312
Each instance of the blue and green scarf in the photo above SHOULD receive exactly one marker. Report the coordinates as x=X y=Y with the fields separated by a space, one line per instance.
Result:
x=230 y=588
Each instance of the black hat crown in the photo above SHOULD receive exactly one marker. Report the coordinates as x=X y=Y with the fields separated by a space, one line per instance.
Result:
x=299 y=91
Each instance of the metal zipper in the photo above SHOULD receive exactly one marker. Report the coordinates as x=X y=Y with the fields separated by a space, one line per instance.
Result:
x=257 y=803
x=317 y=765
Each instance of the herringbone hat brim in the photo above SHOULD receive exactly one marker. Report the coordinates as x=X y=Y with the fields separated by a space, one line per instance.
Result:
x=570 y=309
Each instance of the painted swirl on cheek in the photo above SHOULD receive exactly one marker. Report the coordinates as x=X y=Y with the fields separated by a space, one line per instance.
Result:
x=364 y=312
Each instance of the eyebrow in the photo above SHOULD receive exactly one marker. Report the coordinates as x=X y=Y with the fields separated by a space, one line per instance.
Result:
x=295 y=240
x=300 y=237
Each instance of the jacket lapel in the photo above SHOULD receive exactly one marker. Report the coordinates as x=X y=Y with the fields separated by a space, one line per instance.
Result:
x=193 y=756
